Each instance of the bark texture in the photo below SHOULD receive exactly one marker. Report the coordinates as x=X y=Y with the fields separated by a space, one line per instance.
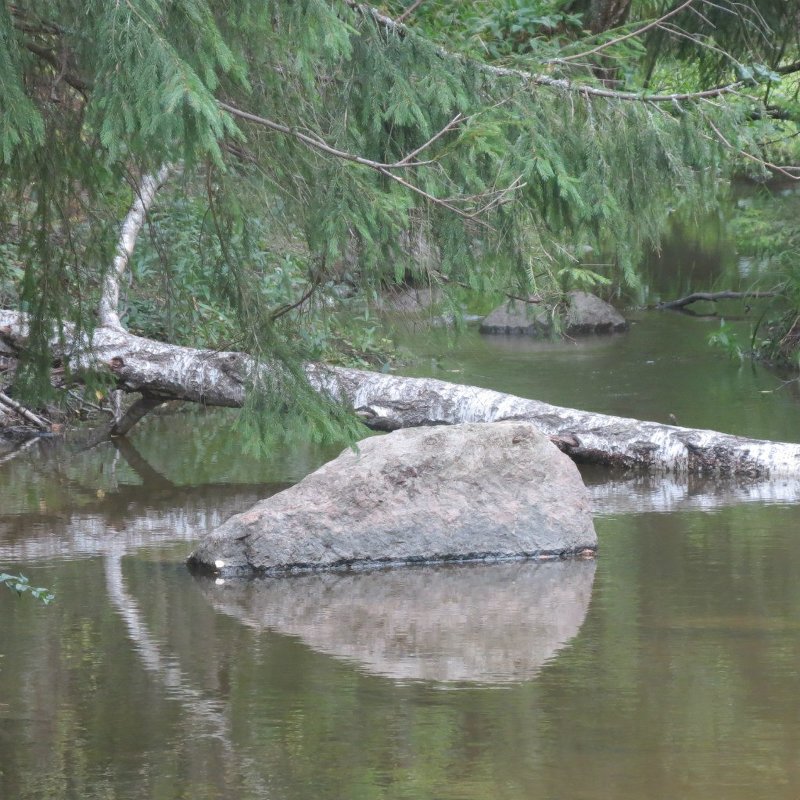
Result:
x=389 y=402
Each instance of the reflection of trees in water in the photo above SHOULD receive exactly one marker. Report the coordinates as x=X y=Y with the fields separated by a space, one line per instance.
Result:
x=638 y=493
x=206 y=716
x=102 y=509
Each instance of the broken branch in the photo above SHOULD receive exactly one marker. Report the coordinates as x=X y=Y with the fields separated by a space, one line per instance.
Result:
x=712 y=297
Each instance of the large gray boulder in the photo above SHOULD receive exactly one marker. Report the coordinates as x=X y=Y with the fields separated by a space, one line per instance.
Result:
x=516 y=318
x=584 y=313
x=464 y=492
x=587 y=313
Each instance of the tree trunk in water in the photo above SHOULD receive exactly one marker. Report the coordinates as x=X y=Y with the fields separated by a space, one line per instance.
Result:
x=388 y=402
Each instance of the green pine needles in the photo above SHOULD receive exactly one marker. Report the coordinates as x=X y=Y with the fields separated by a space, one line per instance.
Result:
x=319 y=129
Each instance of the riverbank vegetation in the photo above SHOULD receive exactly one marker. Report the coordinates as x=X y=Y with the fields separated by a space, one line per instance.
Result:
x=300 y=158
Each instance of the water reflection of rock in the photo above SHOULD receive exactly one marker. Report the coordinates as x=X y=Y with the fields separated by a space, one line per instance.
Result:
x=494 y=623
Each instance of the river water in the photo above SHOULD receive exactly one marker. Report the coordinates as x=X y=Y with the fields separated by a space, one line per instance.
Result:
x=668 y=668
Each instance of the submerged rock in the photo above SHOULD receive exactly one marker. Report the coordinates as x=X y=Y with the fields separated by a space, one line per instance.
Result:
x=463 y=492
x=495 y=623
x=585 y=313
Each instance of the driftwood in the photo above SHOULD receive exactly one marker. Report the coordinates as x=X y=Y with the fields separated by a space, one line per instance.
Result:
x=162 y=372
x=23 y=412
x=712 y=297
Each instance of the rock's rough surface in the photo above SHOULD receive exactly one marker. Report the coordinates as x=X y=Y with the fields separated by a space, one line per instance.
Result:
x=516 y=317
x=585 y=313
x=463 y=492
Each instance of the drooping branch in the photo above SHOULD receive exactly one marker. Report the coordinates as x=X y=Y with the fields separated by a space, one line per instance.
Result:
x=793 y=173
x=129 y=232
x=389 y=170
x=388 y=402
x=540 y=79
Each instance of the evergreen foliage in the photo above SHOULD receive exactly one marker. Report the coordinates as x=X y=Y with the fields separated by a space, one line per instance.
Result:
x=532 y=188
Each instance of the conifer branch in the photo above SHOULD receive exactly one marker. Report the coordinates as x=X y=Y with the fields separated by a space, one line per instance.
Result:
x=539 y=79
x=793 y=173
x=319 y=144
x=131 y=225
x=388 y=170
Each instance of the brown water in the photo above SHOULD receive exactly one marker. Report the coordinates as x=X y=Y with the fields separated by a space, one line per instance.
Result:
x=668 y=668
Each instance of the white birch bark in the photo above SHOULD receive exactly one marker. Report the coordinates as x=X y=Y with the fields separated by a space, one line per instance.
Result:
x=129 y=232
x=388 y=402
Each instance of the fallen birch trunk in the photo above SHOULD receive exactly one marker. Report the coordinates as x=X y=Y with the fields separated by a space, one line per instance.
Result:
x=163 y=372
x=387 y=402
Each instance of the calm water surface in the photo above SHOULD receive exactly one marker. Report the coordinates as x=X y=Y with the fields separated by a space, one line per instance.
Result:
x=668 y=668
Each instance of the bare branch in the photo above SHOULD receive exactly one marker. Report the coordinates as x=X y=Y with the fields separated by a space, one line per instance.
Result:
x=638 y=32
x=60 y=65
x=454 y=123
x=788 y=69
x=319 y=144
x=140 y=408
x=132 y=224
x=410 y=10
x=699 y=41
x=283 y=310
x=29 y=416
x=695 y=297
